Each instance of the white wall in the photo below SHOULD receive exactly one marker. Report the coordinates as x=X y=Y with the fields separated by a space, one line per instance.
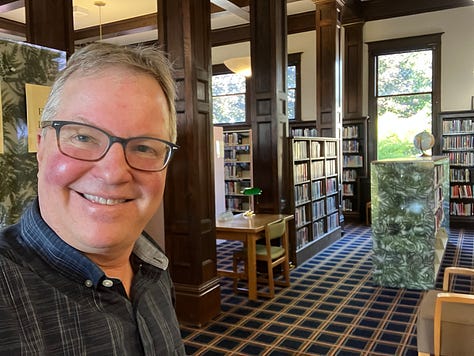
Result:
x=457 y=49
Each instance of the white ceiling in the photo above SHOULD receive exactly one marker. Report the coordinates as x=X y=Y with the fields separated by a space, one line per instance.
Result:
x=115 y=10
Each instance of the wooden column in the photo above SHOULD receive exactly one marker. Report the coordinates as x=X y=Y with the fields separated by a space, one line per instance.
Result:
x=184 y=31
x=50 y=23
x=353 y=61
x=268 y=103
x=328 y=66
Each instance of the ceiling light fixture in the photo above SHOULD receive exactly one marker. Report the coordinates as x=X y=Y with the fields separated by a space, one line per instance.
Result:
x=100 y=4
x=239 y=65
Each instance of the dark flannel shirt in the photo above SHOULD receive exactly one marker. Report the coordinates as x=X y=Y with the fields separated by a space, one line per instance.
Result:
x=56 y=301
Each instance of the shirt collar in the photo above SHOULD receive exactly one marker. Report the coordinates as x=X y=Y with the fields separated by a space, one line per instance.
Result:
x=70 y=261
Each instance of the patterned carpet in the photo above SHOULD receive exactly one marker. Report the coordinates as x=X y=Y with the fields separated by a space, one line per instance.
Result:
x=331 y=308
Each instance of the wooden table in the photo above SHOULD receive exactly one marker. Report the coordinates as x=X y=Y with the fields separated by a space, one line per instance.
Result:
x=248 y=230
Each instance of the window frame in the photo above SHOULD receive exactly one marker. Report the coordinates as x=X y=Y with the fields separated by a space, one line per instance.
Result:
x=392 y=46
x=293 y=59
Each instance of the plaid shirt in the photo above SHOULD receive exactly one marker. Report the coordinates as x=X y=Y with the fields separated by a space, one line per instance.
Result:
x=55 y=301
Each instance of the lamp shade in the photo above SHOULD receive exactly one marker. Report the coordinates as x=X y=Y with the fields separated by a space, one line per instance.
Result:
x=239 y=65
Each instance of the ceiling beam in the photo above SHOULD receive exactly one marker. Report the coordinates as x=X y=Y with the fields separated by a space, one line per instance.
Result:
x=10 y=5
x=232 y=8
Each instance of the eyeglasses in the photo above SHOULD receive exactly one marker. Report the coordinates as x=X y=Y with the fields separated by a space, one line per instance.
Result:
x=89 y=143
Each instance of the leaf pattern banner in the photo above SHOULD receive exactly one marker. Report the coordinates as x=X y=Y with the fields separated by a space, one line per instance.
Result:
x=410 y=214
x=20 y=63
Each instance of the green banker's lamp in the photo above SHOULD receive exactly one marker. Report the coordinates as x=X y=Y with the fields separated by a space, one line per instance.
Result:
x=251 y=191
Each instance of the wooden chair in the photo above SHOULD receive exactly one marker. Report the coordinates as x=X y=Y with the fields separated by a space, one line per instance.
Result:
x=445 y=324
x=274 y=253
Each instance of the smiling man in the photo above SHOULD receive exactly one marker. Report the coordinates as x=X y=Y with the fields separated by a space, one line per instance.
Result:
x=79 y=275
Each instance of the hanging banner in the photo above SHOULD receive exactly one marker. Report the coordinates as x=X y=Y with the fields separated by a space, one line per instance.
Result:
x=36 y=96
x=1 y=120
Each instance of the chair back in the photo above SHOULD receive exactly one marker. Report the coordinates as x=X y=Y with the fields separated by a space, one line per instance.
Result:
x=276 y=229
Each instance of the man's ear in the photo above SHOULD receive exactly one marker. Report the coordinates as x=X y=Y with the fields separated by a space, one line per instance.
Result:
x=39 y=138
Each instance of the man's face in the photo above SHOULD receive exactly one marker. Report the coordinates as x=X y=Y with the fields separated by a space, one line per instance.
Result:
x=101 y=207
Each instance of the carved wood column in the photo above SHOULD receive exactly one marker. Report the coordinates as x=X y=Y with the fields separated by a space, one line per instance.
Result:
x=50 y=23
x=328 y=66
x=268 y=103
x=184 y=31
x=353 y=61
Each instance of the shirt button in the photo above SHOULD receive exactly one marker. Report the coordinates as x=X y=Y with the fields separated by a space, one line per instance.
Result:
x=88 y=283
x=107 y=283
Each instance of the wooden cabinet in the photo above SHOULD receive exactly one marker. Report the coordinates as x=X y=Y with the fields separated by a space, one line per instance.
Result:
x=315 y=195
x=457 y=142
x=354 y=166
x=409 y=220
x=238 y=173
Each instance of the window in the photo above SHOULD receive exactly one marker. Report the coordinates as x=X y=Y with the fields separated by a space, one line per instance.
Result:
x=404 y=82
x=294 y=87
x=229 y=94
x=228 y=98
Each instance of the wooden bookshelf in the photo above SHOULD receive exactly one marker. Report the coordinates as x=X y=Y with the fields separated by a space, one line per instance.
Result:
x=238 y=172
x=457 y=142
x=354 y=166
x=315 y=195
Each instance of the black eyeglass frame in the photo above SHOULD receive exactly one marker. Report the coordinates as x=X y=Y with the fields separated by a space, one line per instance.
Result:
x=58 y=124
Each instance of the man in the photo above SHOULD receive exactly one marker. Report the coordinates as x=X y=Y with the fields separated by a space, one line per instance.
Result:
x=78 y=275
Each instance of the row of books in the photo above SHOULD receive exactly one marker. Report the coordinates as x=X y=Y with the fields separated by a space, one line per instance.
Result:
x=460 y=175
x=331 y=185
x=240 y=204
x=461 y=191
x=317 y=169
x=300 y=172
x=235 y=138
x=351 y=146
x=461 y=209
x=331 y=204
x=318 y=209
x=348 y=189
x=347 y=205
x=330 y=148
x=349 y=175
x=300 y=215
x=350 y=132
x=458 y=126
x=300 y=149
x=302 y=192
x=461 y=158
x=331 y=167
x=333 y=221
x=236 y=156
x=353 y=161
x=304 y=132
x=458 y=142
x=303 y=234
x=236 y=187
x=236 y=171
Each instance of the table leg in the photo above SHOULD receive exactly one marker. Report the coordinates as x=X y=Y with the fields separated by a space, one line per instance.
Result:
x=252 y=266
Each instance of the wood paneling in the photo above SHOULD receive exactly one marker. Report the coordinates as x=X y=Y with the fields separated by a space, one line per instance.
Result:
x=268 y=103
x=189 y=196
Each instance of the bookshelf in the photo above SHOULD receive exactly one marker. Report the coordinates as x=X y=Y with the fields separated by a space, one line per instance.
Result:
x=354 y=166
x=303 y=129
x=238 y=173
x=457 y=142
x=315 y=195
x=409 y=220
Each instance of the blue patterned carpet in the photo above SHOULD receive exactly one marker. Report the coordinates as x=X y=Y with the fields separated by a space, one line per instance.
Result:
x=331 y=308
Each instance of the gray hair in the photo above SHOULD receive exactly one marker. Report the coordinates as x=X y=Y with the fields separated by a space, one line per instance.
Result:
x=95 y=57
